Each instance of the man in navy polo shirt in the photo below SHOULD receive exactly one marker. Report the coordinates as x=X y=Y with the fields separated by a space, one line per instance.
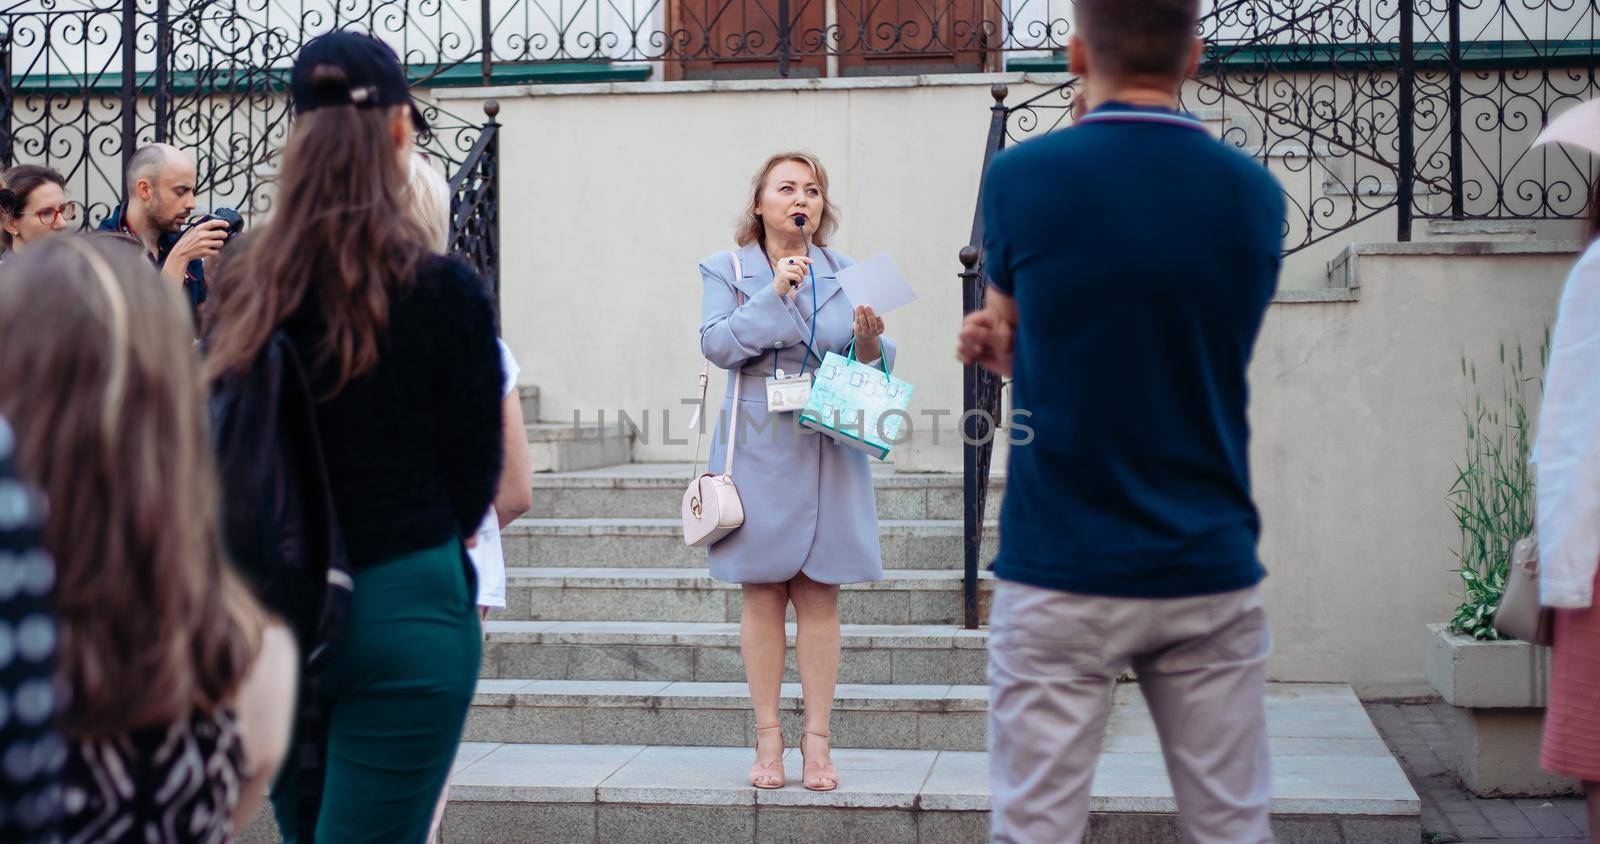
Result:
x=1132 y=258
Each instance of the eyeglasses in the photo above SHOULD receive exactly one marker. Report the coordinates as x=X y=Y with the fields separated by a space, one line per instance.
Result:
x=47 y=216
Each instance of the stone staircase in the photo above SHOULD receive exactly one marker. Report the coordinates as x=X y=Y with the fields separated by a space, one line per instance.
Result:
x=613 y=708
x=558 y=446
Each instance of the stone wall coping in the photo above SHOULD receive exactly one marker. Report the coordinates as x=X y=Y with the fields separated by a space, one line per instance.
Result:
x=1463 y=247
x=702 y=86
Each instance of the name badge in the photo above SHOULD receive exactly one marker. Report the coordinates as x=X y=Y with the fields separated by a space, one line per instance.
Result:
x=787 y=393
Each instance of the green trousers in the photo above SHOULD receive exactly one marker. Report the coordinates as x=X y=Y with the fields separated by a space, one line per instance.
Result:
x=397 y=687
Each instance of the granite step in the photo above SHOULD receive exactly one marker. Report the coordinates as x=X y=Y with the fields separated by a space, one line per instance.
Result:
x=655 y=490
x=1334 y=781
x=658 y=543
x=903 y=717
x=904 y=596
x=873 y=654
x=562 y=447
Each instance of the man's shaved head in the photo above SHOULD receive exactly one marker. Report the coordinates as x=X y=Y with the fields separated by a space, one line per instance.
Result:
x=152 y=160
x=161 y=182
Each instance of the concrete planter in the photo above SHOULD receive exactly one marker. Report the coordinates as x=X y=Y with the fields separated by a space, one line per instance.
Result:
x=1498 y=691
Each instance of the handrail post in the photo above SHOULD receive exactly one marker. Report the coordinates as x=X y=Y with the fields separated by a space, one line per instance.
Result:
x=977 y=385
x=973 y=487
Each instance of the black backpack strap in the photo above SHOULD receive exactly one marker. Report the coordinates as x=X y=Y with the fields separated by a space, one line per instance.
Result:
x=318 y=494
x=299 y=416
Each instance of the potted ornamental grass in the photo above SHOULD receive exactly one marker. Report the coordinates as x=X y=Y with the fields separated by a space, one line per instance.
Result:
x=1495 y=684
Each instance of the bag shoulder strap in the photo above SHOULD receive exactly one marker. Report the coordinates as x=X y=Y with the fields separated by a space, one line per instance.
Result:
x=705 y=381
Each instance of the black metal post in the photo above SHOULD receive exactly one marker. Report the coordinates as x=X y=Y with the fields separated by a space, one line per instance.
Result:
x=783 y=38
x=491 y=191
x=1406 y=121
x=975 y=456
x=130 y=95
x=1458 y=201
x=7 y=96
x=486 y=24
x=972 y=486
x=163 y=92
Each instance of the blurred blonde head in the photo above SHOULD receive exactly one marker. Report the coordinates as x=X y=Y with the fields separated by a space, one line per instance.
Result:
x=430 y=201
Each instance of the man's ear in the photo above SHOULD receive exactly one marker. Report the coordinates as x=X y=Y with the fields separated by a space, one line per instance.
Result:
x=1077 y=56
x=144 y=190
x=1196 y=56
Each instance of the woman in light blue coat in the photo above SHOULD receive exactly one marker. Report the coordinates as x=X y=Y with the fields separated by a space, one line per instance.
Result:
x=810 y=519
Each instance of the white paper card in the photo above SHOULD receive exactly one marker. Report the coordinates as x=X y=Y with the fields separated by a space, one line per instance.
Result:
x=876 y=283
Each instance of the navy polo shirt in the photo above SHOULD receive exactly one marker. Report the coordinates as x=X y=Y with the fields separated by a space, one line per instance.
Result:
x=1142 y=253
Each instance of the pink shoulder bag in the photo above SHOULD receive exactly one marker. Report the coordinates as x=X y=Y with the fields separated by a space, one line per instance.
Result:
x=711 y=505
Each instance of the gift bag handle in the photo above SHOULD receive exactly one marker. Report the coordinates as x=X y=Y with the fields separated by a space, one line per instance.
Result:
x=883 y=359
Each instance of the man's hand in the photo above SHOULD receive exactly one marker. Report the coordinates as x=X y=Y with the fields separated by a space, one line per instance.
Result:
x=202 y=241
x=988 y=336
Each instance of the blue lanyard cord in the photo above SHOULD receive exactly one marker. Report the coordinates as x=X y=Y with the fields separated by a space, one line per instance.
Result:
x=806 y=361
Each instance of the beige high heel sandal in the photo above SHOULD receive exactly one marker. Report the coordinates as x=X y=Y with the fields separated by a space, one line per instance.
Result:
x=768 y=775
x=817 y=776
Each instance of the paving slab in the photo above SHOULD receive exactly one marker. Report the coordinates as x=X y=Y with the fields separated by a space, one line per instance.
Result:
x=1351 y=789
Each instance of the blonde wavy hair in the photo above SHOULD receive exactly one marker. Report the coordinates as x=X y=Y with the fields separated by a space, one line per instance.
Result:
x=749 y=228
x=430 y=201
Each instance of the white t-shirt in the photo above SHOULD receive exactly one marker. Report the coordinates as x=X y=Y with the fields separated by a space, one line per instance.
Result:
x=489 y=557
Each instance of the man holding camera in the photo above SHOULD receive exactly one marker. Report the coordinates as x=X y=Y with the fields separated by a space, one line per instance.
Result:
x=161 y=181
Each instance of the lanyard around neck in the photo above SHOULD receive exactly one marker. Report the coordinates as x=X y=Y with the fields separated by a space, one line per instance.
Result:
x=805 y=362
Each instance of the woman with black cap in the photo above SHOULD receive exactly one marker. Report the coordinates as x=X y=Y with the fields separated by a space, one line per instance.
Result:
x=400 y=347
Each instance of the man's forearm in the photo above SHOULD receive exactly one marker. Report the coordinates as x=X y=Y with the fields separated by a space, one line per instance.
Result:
x=175 y=268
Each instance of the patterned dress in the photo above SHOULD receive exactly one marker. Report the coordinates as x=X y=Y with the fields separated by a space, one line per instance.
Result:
x=31 y=752
x=159 y=786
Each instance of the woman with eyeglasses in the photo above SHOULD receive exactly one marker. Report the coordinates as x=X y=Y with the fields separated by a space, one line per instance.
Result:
x=33 y=204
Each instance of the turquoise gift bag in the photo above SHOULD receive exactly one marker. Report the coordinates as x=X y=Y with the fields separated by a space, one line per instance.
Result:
x=860 y=406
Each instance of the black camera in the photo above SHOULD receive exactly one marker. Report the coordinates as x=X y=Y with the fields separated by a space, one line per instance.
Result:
x=227 y=215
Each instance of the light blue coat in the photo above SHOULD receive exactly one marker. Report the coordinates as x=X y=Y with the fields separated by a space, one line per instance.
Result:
x=808 y=501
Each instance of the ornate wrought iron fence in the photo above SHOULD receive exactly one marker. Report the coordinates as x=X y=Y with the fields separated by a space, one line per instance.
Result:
x=1484 y=82
x=1425 y=109
x=82 y=88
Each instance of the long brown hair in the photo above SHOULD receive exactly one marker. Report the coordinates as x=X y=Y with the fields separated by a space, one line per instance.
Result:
x=340 y=233
x=749 y=229
x=100 y=381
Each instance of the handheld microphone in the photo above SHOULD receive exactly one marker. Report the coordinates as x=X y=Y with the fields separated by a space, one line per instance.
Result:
x=800 y=225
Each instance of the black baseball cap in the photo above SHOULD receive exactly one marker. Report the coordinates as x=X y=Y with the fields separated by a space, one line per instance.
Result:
x=372 y=71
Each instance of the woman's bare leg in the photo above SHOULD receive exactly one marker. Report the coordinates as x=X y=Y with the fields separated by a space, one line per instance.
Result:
x=816 y=609
x=762 y=644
